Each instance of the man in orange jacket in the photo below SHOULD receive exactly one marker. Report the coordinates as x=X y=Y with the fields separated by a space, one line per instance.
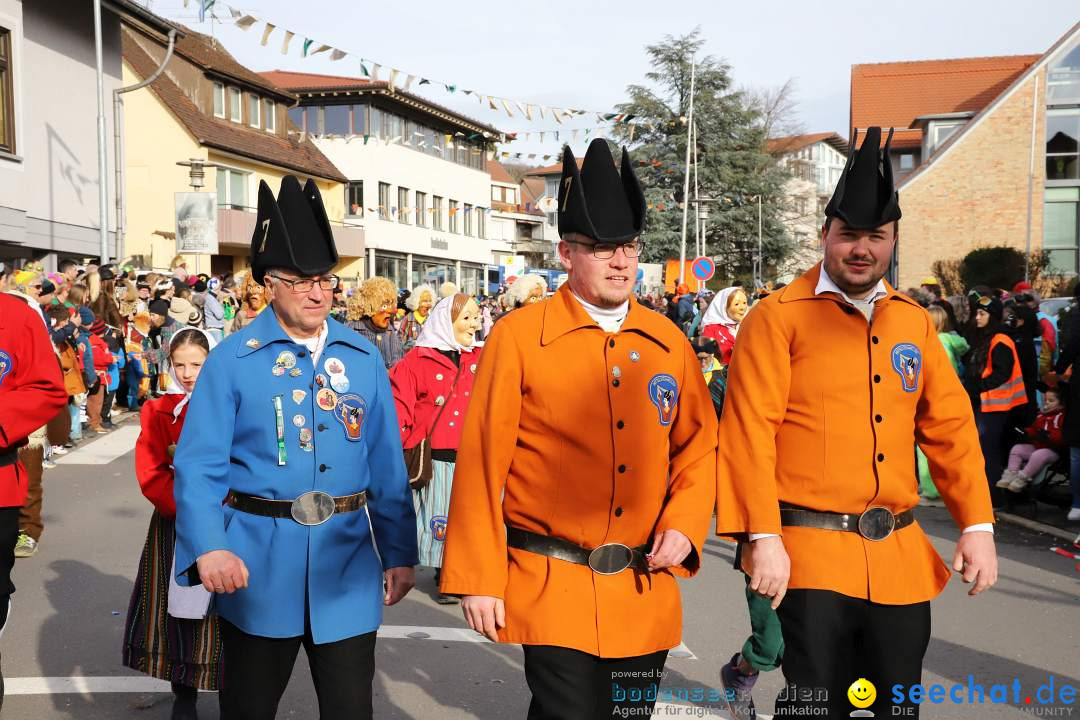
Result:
x=31 y=394
x=833 y=382
x=586 y=469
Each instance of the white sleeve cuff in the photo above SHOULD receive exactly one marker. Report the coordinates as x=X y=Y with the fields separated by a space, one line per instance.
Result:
x=758 y=536
x=979 y=527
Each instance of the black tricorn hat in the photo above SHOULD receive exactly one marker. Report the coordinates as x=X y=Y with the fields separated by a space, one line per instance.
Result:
x=866 y=197
x=599 y=201
x=292 y=232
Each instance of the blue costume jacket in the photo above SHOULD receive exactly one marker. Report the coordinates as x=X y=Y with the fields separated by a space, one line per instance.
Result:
x=340 y=436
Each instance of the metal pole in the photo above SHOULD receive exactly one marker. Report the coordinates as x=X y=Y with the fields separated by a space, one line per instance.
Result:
x=686 y=179
x=103 y=170
x=118 y=142
x=1031 y=177
x=760 y=255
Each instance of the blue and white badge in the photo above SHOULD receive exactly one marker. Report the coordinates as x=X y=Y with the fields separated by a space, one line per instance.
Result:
x=664 y=394
x=907 y=362
x=5 y=365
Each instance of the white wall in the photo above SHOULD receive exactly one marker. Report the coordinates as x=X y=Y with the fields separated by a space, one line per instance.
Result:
x=404 y=167
x=56 y=183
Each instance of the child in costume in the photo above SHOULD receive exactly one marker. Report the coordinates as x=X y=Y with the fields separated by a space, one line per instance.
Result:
x=169 y=633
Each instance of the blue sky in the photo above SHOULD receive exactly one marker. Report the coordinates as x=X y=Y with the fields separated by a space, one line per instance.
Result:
x=584 y=54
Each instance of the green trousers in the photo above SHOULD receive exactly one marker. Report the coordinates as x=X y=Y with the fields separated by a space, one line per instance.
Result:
x=764 y=649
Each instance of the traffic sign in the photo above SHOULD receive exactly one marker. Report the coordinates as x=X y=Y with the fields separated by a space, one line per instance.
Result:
x=703 y=268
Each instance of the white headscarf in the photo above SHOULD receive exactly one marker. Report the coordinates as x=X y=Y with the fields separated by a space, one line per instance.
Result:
x=176 y=387
x=717 y=313
x=438 y=331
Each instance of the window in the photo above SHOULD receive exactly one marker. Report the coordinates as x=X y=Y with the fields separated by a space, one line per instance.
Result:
x=296 y=116
x=219 y=100
x=1063 y=144
x=7 y=94
x=359 y=119
x=1061 y=221
x=391 y=267
x=468 y=219
x=511 y=195
x=384 y=201
x=313 y=122
x=1063 y=77
x=354 y=198
x=234 y=105
x=481 y=224
x=421 y=209
x=376 y=122
x=437 y=212
x=254 y=107
x=270 y=110
x=232 y=188
x=496 y=193
x=453 y=216
x=939 y=132
x=336 y=120
x=907 y=162
x=403 y=205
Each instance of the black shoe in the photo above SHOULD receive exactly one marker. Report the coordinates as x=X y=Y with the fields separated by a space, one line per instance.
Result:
x=184 y=699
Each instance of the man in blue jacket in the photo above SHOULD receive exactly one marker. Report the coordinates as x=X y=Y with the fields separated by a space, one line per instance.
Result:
x=291 y=493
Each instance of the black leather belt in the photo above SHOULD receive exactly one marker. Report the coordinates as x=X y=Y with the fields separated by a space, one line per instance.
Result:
x=876 y=523
x=311 y=508
x=9 y=458
x=607 y=559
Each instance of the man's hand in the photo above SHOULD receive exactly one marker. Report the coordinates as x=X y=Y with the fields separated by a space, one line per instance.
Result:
x=485 y=614
x=976 y=558
x=398 y=582
x=766 y=562
x=222 y=572
x=669 y=548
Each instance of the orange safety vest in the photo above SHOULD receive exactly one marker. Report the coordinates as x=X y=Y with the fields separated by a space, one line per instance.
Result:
x=1009 y=394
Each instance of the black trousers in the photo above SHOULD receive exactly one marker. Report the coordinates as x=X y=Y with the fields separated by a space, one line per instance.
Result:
x=832 y=640
x=572 y=685
x=9 y=534
x=258 y=670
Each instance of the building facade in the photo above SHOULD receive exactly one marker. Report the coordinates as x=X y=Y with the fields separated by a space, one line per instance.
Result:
x=418 y=181
x=518 y=226
x=987 y=153
x=49 y=176
x=208 y=106
x=814 y=164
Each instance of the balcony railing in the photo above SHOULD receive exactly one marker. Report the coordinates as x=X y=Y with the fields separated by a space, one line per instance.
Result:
x=236 y=225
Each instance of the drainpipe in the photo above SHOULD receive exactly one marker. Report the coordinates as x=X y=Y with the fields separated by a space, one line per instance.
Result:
x=118 y=141
x=1031 y=176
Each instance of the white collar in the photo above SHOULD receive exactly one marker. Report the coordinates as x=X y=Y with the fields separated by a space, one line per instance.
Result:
x=609 y=319
x=314 y=344
x=826 y=284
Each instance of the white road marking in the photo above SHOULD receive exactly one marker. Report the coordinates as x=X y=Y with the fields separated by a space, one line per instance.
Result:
x=104 y=450
x=80 y=685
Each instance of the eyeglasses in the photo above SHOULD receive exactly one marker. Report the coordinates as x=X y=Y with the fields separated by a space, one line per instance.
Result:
x=304 y=285
x=606 y=251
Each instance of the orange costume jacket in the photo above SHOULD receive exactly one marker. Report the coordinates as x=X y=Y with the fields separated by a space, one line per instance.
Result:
x=592 y=437
x=823 y=411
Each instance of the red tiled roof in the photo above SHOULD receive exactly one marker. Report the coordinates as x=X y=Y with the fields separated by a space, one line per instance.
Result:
x=794 y=143
x=209 y=54
x=302 y=83
x=555 y=169
x=498 y=173
x=894 y=94
x=302 y=157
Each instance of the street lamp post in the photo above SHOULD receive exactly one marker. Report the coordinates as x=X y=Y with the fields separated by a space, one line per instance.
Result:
x=197 y=180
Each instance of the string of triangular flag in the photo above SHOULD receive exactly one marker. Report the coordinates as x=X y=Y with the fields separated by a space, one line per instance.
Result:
x=399 y=79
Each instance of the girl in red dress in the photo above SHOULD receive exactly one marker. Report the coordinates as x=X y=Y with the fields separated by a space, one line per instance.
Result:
x=169 y=632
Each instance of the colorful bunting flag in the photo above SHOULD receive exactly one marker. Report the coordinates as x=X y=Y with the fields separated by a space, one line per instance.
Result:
x=266 y=33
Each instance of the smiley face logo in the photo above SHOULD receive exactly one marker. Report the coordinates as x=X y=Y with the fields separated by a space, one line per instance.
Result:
x=862 y=693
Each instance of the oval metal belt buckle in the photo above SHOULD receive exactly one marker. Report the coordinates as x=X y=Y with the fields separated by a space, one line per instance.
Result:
x=877 y=523
x=611 y=558
x=313 y=508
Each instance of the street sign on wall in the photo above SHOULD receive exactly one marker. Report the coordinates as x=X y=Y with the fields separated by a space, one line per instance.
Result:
x=196 y=223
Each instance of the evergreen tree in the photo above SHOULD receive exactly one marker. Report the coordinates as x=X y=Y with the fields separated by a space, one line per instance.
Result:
x=732 y=162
